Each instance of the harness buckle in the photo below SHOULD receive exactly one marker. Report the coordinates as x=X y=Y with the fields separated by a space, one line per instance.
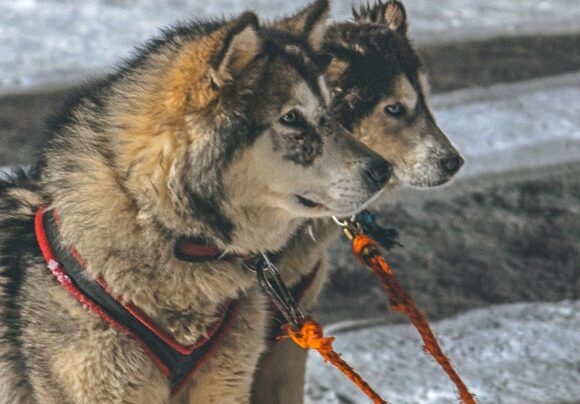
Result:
x=350 y=227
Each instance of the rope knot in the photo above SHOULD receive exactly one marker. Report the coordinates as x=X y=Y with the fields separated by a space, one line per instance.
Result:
x=311 y=336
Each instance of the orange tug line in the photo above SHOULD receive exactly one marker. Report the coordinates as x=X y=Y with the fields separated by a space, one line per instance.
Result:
x=310 y=336
x=367 y=250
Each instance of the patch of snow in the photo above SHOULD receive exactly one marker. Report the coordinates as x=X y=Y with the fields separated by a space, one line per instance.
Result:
x=46 y=40
x=514 y=122
x=454 y=20
x=515 y=125
x=4 y=171
x=51 y=40
x=521 y=353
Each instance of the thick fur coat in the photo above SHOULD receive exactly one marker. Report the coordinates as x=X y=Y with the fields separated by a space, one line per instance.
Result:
x=217 y=131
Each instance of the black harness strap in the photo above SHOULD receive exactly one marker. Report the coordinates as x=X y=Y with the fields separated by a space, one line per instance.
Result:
x=177 y=362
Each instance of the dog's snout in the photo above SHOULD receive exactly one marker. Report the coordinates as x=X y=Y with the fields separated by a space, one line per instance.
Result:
x=379 y=171
x=452 y=164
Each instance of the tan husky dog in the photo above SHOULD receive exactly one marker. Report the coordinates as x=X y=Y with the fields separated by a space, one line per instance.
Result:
x=217 y=133
x=380 y=94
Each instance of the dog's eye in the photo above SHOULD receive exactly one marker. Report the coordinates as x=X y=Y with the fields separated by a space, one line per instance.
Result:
x=395 y=110
x=292 y=118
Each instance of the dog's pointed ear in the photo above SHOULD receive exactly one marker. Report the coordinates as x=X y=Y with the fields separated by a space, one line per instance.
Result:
x=240 y=46
x=395 y=16
x=392 y=14
x=310 y=22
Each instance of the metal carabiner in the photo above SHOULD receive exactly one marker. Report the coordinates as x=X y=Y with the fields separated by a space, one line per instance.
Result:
x=350 y=226
x=271 y=282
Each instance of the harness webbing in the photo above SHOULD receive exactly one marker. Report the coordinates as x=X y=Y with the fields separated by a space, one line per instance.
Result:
x=177 y=362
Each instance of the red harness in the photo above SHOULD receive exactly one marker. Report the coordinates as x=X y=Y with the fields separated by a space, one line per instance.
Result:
x=187 y=249
x=176 y=361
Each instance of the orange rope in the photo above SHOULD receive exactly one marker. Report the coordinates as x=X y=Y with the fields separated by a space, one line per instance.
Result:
x=310 y=336
x=367 y=249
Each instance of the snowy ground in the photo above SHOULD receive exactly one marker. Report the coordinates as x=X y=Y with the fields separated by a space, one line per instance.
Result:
x=59 y=40
x=511 y=126
x=522 y=353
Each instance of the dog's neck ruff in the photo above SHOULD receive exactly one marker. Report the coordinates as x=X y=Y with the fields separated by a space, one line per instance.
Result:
x=177 y=362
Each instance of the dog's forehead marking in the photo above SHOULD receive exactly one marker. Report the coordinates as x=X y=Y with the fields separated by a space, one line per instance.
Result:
x=305 y=97
x=318 y=83
x=299 y=53
x=403 y=92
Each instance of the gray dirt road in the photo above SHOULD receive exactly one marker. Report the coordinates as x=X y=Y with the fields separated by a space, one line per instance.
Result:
x=502 y=238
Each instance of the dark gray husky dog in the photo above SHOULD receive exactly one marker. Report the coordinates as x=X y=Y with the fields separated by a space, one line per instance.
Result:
x=123 y=256
x=380 y=94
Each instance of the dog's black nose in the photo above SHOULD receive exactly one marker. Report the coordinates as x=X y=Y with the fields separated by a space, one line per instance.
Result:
x=452 y=164
x=379 y=171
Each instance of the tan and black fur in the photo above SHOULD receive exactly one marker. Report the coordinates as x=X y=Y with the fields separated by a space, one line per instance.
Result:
x=380 y=94
x=215 y=130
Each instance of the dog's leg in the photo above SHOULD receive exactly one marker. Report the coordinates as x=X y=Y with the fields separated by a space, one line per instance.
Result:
x=113 y=369
x=227 y=376
x=73 y=356
x=88 y=362
x=280 y=376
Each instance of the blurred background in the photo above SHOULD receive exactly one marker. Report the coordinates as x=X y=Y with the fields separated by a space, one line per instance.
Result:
x=493 y=259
